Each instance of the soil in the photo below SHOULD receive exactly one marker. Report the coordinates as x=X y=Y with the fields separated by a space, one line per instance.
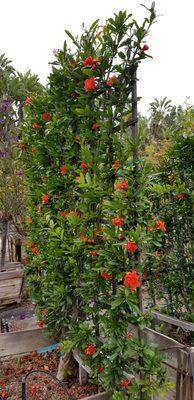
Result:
x=184 y=337
x=40 y=386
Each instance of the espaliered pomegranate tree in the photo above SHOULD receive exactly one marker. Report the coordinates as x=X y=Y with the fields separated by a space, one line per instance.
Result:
x=88 y=210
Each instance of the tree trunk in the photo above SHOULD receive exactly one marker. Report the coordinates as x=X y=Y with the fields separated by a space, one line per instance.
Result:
x=4 y=225
x=65 y=363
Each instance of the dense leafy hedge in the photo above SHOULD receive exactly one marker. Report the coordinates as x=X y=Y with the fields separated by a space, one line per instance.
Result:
x=89 y=210
x=171 y=265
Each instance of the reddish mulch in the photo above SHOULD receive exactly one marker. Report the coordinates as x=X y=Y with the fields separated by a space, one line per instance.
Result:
x=39 y=386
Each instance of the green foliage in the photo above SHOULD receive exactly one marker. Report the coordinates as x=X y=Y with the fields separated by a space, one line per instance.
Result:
x=14 y=88
x=172 y=197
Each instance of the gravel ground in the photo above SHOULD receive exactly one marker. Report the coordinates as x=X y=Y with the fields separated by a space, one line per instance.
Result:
x=16 y=316
x=39 y=386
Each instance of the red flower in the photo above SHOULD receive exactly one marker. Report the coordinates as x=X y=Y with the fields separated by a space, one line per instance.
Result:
x=118 y=221
x=131 y=280
x=131 y=247
x=116 y=165
x=90 y=350
x=84 y=167
x=161 y=225
x=46 y=117
x=129 y=335
x=44 y=198
x=110 y=82
x=123 y=185
x=33 y=391
x=63 y=213
x=180 y=196
x=95 y=126
x=93 y=252
x=124 y=384
x=101 y=369
x=36 y=126
x=89 y=85
x=35 y=250
x=27 y=101
x=40 y=324
x=106 y=276
x=145 y=48
x=90 y=62
x=63 y=169
x=4 y=395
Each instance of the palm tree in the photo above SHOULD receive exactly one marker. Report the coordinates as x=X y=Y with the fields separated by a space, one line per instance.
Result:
x=159 y=111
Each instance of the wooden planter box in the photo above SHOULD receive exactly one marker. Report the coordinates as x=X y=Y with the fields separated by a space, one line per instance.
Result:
x=11 y=283
x=29 y=339
x=180 y=361
x=84 y=372
x=179 y=364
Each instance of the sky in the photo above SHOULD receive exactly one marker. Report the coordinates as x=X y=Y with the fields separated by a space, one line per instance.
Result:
x=31 y=29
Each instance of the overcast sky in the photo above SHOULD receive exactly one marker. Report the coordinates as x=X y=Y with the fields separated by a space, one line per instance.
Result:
x=31 y=29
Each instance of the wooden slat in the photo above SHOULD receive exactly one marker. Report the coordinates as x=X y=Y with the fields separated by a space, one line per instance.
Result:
x=10 y=282
x=13 y=264
x=24 y=341
x=166 y=344
x=99 y=396
x=173 y=321
x=191 y=371
x=80 y=361
x=10 y=290
x=18 y=273
x=83 y=376
x=4 y=303
x=178 y=376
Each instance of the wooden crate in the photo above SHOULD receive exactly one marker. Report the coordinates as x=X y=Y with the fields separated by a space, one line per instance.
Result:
x=11 y=282
x=25 y=341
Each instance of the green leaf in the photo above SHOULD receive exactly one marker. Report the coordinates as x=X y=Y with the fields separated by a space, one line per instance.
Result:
x=84 y=112
x=87 y=71
x=116 y=303
x=72 y=38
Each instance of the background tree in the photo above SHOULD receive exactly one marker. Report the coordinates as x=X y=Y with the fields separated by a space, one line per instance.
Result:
x=14 y=88
x=172 y=191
